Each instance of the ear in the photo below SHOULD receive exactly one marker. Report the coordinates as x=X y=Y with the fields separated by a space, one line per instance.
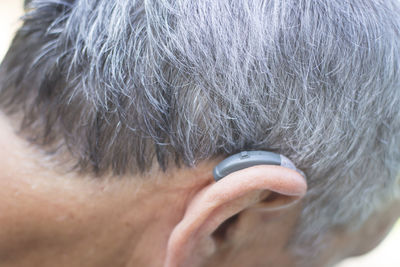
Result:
x=192 y=238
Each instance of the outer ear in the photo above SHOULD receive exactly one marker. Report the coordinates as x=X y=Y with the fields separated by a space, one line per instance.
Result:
x=192 y=239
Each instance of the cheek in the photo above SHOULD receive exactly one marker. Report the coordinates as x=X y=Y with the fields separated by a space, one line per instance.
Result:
x=32 y=221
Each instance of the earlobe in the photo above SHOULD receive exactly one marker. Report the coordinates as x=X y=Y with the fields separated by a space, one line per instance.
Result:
x=191 y=241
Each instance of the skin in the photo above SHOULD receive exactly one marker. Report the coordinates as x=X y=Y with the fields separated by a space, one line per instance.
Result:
x=50 y=218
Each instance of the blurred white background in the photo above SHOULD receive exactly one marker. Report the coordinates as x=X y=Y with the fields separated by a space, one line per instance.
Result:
x=386 y=255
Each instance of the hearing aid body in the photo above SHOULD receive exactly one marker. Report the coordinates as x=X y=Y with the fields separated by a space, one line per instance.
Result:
x=247 y=159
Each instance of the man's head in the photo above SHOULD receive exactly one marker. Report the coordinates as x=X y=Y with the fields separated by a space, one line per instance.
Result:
x=114 y=114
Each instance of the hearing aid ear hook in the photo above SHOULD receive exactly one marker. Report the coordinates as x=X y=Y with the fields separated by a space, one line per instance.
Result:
x=247 y=159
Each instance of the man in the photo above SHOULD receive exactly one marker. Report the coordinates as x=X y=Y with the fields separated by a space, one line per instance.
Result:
x=115 y=113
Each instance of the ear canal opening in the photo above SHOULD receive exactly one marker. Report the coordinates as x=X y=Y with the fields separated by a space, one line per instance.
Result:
x=275 y=201
x=221 y=233
x=272 y=196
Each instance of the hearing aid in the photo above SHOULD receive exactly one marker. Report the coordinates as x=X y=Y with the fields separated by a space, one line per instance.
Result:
x=247 y=159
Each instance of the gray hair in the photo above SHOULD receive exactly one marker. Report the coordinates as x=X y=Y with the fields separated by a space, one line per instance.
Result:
x=120 y=83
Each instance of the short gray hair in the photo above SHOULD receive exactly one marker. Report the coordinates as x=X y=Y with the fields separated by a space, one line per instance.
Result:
x=120 y=83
